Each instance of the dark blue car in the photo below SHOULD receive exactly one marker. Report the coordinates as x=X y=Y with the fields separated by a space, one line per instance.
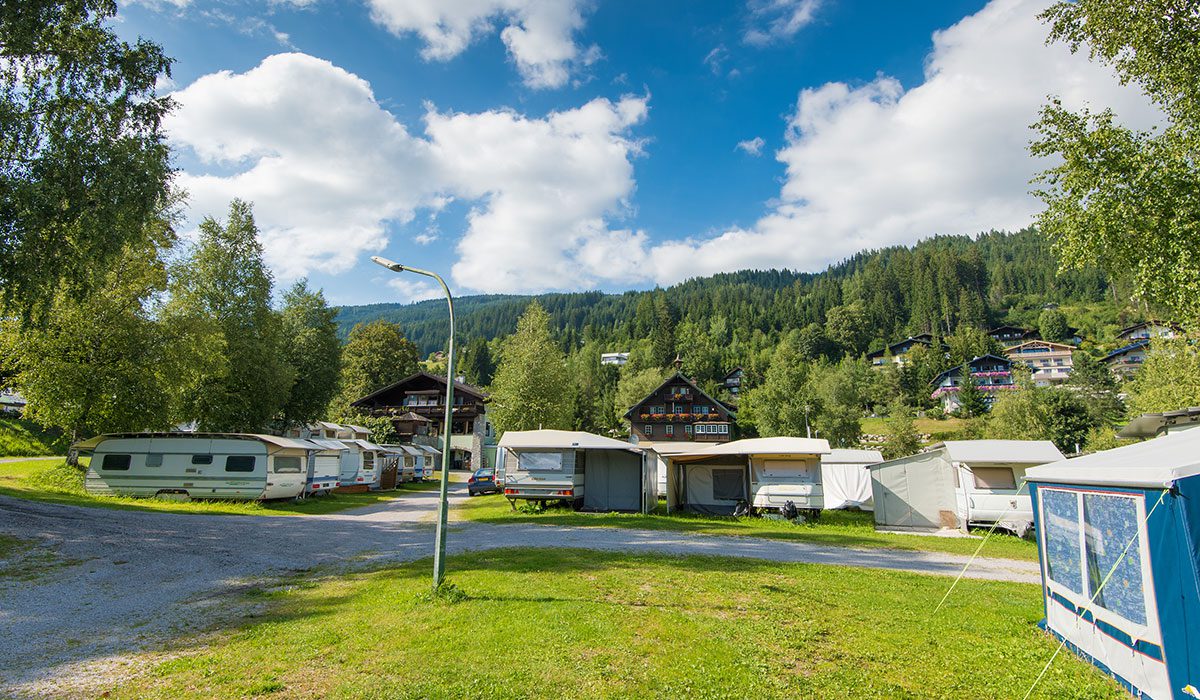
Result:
x=483 y=481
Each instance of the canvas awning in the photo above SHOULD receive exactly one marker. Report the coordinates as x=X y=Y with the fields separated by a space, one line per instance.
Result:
x=841 y=456
x=561 y=440
x=1000 y=451
x=1156 y=463
x=759 y=446
x=366 y=445
x=327 y=444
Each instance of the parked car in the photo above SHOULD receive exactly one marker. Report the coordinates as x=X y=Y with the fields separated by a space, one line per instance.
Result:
x=483 y=481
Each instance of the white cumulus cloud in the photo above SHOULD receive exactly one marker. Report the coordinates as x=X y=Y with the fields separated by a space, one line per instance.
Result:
x=328 y=170
x=539 y=34
x=878 y=164
x=752 y=146
x=777 y=20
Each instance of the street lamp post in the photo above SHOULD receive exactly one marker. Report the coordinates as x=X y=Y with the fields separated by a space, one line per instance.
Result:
x=439 y=553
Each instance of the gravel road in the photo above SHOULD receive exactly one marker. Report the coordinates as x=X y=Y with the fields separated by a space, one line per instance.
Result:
x=130 y=580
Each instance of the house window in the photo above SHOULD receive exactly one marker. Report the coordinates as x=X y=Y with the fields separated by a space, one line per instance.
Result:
x=239 y=463
x=669 y=431
x=687 y=430
x=648 y=430
x=286 y=465
x=116 y=463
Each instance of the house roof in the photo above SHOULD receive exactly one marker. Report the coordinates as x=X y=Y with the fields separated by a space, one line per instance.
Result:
x=1020 y=329
x=1156 y=463
x=1127 y=349
x=958 y=368
x=764 y=446
x=922 y=339
x=561 y=439
x=1018 y=451
x=721 y=405
x=441 y=381
x=840 y=456
x=1152 y=322
x=1017 y=348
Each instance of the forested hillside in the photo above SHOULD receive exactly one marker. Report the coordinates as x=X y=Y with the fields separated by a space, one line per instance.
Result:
x=931 y=287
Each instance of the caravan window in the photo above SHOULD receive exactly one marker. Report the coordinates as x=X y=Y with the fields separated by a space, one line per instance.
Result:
x=239 y=463
x=1112 y=543
x=286 y=465
x=1060 y=512
x=201 y=459
x=994 y=478
x=729 y=484
x=116 y=463
x=540 y=461
x=368 y=463
x=154 y=459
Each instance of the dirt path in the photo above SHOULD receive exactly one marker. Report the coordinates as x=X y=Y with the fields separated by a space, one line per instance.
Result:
x=128 y=580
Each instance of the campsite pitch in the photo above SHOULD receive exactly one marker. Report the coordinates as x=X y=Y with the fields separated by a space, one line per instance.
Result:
x=571 y=623
x=57 y=482
x=835 y=528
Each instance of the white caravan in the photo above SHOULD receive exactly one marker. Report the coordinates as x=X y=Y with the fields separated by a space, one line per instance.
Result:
x=585 y=470
x=960 y=483
x=764 y=473
x=324 y=465
x=228 y=466
x=361 y=466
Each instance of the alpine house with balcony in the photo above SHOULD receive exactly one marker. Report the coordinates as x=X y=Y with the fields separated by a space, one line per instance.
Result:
x=678 y=411
x=990 y=373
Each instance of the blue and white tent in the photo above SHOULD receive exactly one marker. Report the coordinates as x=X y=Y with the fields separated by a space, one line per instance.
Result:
x=1117 y=536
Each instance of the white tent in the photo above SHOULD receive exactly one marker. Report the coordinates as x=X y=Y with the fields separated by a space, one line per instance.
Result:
x=846 y=478
x=959 y=483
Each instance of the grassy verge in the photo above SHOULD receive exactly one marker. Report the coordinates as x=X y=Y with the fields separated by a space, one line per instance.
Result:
x=56 y=482
x=567 y=623
x=839 y=528
x=22 y=438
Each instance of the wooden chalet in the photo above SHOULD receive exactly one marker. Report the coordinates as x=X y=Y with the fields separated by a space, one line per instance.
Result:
x=679 y=411
x=895 y=352
x=416 y=406
x=1147 y=330
x=1013 y=335
x=1050 y=363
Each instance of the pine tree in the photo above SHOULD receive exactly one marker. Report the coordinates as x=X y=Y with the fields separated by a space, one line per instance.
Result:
x=902 y=436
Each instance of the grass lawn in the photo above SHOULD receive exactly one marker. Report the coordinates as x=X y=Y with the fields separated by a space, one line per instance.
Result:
x=840 y=528
x=570 y=623
x=22 y=438
x=938 y=430
x=55 y=482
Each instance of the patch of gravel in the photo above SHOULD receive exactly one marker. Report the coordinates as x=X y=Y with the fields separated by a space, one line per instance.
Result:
x=136 y=581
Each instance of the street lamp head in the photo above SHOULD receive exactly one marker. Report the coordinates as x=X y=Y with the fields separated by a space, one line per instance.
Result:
x=393 y=266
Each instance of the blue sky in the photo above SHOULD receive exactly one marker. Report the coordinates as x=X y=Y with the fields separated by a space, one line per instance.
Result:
x=533 y=145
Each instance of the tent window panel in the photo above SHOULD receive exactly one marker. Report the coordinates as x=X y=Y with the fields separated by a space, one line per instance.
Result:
x=540 y=461
x=1063 y=556
x=1110 y=525
x=995 y=478
x=116 y=463
x=286 y=465
x=728 y=484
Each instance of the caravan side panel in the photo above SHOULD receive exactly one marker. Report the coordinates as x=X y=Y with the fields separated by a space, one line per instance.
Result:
x=215 y=468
